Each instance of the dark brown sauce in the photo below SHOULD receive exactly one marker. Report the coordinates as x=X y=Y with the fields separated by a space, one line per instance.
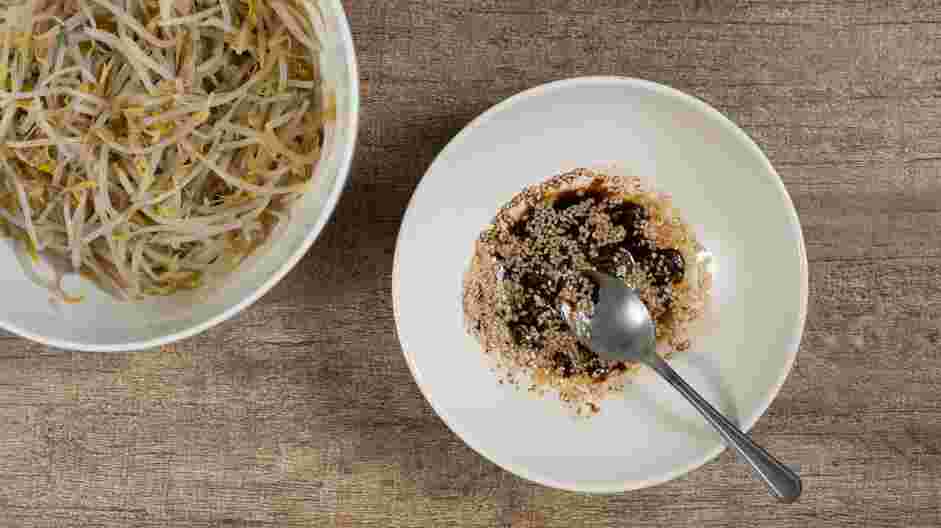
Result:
x=666 y=267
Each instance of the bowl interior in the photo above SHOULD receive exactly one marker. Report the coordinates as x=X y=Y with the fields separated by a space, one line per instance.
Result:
x=102 y=323
x=723 y=185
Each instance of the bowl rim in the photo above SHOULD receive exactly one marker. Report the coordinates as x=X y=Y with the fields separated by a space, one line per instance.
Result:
x=797 y=233
x=345 y=160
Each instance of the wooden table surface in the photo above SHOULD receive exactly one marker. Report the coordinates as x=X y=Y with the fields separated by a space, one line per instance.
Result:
x=301 y=411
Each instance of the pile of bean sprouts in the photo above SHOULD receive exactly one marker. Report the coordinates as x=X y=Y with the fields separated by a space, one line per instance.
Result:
x=152 y=143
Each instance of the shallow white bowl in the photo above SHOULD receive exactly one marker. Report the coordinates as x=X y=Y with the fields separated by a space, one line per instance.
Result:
x=101 y=323
x=721 y=182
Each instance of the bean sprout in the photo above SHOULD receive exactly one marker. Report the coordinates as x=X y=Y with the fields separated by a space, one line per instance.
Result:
x=152 y=142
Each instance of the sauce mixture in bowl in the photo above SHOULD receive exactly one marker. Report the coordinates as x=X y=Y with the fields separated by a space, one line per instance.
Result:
x=527 y=270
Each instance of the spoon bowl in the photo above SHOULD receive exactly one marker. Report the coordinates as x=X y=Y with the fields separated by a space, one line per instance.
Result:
x=621 y=327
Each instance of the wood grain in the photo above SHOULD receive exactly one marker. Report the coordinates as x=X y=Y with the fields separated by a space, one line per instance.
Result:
x=301 y=411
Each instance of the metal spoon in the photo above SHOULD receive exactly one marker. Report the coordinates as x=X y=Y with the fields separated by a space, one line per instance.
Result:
x=621 y=329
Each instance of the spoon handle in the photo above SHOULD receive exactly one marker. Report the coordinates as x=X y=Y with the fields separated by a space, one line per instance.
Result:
x=784 y=483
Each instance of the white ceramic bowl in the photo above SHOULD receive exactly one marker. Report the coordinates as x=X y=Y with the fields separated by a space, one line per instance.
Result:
x=723 y=185
x=100 y=323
